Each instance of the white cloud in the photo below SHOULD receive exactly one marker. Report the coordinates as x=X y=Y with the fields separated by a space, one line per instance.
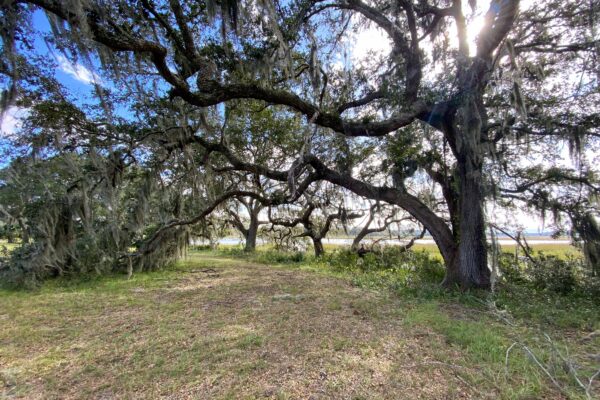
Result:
x=368 y=42
x=77 y=71
x=11 y=121
x=337 y=65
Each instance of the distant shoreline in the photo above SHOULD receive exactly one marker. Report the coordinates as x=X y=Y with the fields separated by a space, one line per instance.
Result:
x=531 y=240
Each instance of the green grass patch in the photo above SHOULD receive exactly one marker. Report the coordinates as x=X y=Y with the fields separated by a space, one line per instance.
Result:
x=341 y=326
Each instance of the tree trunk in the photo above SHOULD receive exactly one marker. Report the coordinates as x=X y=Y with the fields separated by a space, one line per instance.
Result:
x=444 y=237
x=318 y=245
x=24 y=236
x=10 y=237
x=252 y=233
x=469 y=268
x=359 y=238
x=24 y=232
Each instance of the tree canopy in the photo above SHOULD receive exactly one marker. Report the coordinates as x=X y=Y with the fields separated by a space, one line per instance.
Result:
x=198 y=103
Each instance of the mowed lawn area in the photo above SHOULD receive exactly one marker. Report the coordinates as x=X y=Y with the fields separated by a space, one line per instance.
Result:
x=215 y=327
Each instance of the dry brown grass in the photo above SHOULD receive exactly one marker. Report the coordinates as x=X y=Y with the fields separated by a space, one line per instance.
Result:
x=222 y=328
x=246 y=331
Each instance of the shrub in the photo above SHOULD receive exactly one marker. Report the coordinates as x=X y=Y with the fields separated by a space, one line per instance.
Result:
x=554 y=274
x=279 y=257
x=591 y=286
x=511 y=270
x=201 y=247
x=548 y=273
x=390 y=266
x=429 y=269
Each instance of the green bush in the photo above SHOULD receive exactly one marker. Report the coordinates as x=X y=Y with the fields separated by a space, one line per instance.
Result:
x=591 y=286
x=511 y=269
x=554 y=274
x=550 y=274
x=278 y=257
x=200 y=247
x=391 y=266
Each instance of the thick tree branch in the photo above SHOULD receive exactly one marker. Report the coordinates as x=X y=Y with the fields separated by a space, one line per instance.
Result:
x=499 y=20
x=379 y=94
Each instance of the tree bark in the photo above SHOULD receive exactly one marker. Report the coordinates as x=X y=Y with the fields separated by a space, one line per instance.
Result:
x=469 y=268
x=359 y=238
x=318 y=246
x=24 y=236
x=251 y=235
x=363 y=233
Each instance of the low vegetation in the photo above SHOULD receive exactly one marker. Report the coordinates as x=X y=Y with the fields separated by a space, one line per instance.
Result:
x=225 y=324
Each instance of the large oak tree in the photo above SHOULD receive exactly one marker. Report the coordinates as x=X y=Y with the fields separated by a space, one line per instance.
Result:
x=439 y=107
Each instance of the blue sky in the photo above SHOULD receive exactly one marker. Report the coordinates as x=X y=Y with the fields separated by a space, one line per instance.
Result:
x=76 y=78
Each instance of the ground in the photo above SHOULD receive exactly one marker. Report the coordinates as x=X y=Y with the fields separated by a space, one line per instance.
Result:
x=220 y=328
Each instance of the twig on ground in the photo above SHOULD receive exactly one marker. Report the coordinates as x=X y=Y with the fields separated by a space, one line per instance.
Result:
x=206 y=271
x=535 y=360
x=566 y=362
x=588 y=389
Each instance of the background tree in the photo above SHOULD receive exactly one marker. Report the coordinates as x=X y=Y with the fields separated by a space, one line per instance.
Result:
x=253 y=208
x=383 y=217
x=319 y=214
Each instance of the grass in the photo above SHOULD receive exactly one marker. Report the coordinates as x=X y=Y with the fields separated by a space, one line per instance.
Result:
x=555 y=249
x=283 y=330
x=6 y=248
x=559 y=250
